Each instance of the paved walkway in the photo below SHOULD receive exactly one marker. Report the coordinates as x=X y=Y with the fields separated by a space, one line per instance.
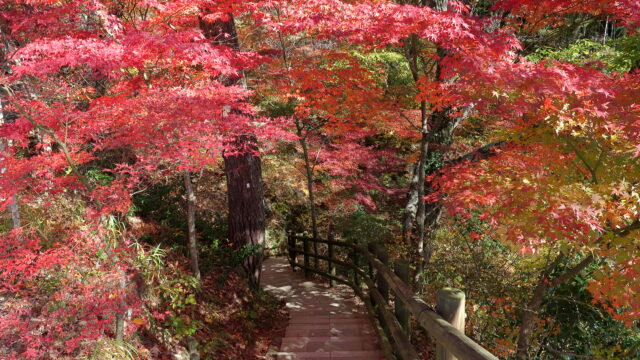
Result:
x=325 y=323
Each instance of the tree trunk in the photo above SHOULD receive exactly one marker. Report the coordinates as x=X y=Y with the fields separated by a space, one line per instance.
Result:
x=528 y=319
x=14 y=207
x=425 y=217
x=246 y=204
x=411 y=208
x=415 y=198
x=422 y=169
x=224 y=33
x=244 y=173
x=530 y=313
x=191 y=224
x=120 y=316
x=441 y=136
x=312 y=202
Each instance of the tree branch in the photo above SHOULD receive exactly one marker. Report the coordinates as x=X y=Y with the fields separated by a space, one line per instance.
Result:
x=569 y=274
x=480 y=153
x=627 y=229
x=61 y=144
x=411 y=122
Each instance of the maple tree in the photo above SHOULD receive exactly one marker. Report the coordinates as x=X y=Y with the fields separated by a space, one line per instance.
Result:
x=139 y=85
x=426 y=112
x=481 y=70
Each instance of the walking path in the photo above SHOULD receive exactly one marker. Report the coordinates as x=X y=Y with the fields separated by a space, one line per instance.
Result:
x=325 y=323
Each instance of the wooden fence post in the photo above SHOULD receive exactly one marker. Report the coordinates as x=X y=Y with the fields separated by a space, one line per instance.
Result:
x=353 y=255
x=372 y=249
x=383 y=286
x=332 y=266
x=305 y=246
x=401 y=268
x=450 y=305
x=291 y=245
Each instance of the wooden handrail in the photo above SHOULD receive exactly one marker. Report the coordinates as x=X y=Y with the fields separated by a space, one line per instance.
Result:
x=444 y=333
x=447 y=336
x=401 y=339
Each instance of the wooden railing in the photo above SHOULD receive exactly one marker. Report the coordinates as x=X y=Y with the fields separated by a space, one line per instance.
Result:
x=368 y=273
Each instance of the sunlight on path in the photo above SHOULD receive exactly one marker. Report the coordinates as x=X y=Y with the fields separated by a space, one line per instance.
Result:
x=325 y=323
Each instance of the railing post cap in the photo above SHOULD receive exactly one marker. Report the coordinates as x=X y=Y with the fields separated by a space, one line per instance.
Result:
x=451 y=293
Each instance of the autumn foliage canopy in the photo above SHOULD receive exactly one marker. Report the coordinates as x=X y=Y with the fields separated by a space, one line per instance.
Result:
x=135 y=90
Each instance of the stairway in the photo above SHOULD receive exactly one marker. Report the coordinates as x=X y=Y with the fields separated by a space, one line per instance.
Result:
x=325 y=323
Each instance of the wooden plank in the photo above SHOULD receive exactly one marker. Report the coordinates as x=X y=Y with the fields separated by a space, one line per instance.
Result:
x=403 y=347
x=385 y=345
x=401 y=268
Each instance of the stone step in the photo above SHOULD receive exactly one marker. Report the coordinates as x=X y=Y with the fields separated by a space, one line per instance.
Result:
x=333 y=355
x=329 y=343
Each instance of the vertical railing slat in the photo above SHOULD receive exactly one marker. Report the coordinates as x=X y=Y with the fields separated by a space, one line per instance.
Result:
x=305 y=247
x=401 y=268
x=332 y=265
x=291 y=244
x=383 y=286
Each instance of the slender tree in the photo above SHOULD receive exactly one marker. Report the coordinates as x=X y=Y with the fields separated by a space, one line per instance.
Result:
x=14 y=206
x=191 y=224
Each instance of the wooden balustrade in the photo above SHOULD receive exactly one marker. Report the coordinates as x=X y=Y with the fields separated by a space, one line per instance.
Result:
x=375 y=284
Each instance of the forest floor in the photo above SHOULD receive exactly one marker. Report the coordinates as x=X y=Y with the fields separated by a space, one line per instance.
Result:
x=226 y=318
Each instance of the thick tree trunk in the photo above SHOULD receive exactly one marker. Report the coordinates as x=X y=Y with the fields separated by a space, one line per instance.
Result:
x=312 y=202
x=246 y=204
x=191 y=224
x=244 y=173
